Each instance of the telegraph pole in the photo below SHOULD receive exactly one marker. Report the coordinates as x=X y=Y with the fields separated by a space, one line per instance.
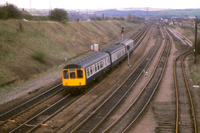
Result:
x=195 y=45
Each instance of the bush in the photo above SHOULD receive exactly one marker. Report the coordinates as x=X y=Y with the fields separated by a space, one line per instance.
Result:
x=3 y=13
x=40 y=56
x=58 y=15
x=10 y=11
x=197 y=21
x=27 y=16
x=122 y=18
x=99 y=18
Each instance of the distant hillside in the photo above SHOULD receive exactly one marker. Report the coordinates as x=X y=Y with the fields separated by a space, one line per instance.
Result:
x=151 y=12
x=181 y=12
x=126 y=12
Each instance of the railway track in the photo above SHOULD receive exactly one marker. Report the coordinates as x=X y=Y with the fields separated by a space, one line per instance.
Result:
x=181 y=37
x=142 y=36
x=39 y=119
x=12 y=117
x=12 y=114
x=95 y=119
x=139 y=37
x=137 y=107
x=185 y=114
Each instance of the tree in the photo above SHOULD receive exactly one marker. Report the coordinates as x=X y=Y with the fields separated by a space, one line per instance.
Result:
x=129 y=18
x=3 y=13
x=197 y=21
x=122 y=18
x=13 y=12
x=10 y=11
x=107 y=18
x=58 y=15
x=99 y=18
x=114 y=18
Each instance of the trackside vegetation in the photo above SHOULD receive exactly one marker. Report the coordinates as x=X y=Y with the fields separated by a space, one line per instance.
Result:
x=58 y=15
x=194 y=68
x=9 y=11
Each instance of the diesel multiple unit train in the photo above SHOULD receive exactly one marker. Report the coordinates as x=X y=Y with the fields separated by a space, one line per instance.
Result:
x=79 y=74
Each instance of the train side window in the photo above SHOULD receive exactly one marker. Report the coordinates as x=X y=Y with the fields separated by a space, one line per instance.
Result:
x=113 y=57
x=79 y=73
x=101 y=64
x=72 y=75
x=88 y=72
x=98 y=66
x=66 y=75
x=105 y=62
x=95 y=66
x=91 y=71
x=108 y=60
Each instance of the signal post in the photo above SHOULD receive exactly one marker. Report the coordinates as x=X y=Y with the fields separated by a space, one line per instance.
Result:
x=122 y=32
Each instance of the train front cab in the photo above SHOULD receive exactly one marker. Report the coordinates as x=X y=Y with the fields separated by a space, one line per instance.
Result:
x=73 y=78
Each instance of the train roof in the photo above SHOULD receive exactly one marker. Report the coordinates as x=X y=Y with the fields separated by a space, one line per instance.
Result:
x=114 y=48
x=87 y=61
x=127 y=41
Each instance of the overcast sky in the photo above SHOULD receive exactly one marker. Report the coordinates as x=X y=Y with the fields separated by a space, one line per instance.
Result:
x=103 y=4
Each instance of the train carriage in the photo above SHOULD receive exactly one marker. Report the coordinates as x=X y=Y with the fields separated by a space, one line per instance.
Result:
x=117 y=53
x=130 y=43
x=80 y=73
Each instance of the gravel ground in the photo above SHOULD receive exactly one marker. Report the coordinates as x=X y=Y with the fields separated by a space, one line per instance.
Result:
x=147 y=123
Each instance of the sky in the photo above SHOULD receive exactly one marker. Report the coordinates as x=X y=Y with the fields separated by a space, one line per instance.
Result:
x=103 y=4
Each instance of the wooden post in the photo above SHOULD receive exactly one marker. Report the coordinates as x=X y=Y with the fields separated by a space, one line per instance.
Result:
x=195 y=45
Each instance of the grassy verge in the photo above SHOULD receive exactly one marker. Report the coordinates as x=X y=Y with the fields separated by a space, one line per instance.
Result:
x=28 y=49
x=194 y=69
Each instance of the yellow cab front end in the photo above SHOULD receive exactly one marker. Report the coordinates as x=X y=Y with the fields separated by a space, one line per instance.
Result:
x=73 y=77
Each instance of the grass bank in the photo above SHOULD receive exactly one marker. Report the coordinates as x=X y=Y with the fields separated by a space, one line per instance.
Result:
x=28 y=49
